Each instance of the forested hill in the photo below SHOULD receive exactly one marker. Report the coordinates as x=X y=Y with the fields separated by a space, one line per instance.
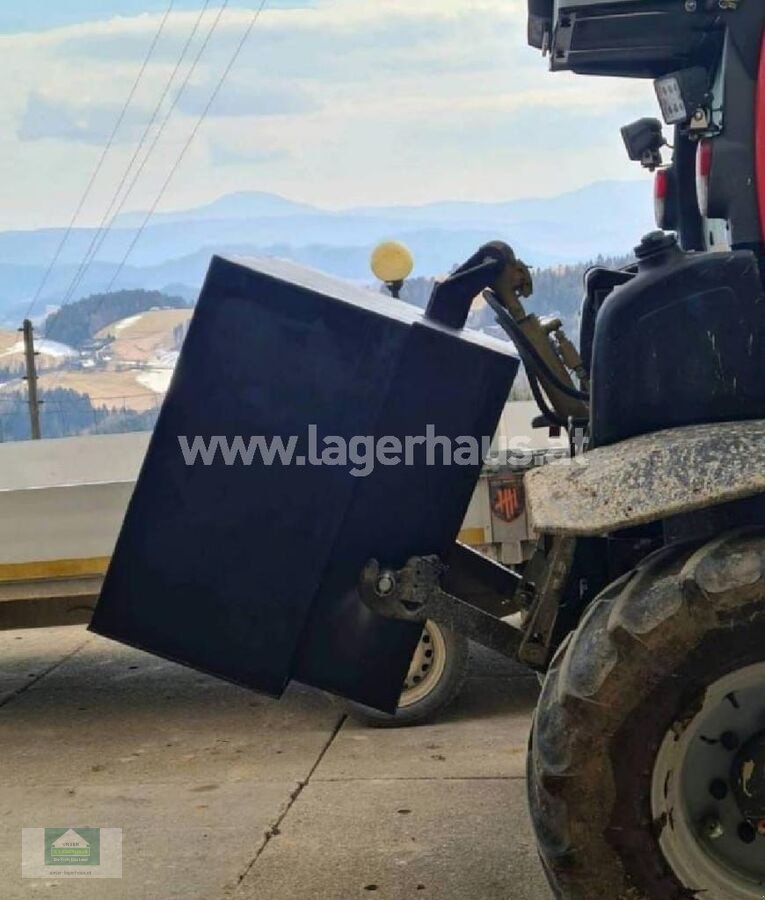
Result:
x=76 y=323
x=557 y=291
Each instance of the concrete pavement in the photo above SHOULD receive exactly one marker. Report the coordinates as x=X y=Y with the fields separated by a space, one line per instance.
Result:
x=224 y=795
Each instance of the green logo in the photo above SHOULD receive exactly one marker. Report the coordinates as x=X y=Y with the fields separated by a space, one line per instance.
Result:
x=72 y=846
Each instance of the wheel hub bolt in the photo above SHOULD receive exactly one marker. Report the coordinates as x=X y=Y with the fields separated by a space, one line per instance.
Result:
x=718 y=789
x=746 y=833
x=712 y=828
x=385 y=584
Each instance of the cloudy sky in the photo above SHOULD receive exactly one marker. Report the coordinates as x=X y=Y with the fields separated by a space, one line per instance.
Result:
x=333 y=102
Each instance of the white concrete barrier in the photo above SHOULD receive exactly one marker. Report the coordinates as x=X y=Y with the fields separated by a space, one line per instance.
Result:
x=62 y=501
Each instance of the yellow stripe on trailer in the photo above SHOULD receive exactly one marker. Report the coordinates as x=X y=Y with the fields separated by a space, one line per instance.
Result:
x=54 y=568
x=473 y=537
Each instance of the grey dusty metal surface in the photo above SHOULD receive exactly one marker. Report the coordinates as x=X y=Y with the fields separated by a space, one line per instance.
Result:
x=648 y=478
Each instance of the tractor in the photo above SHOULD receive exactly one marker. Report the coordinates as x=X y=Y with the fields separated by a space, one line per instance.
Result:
x=646 y=761
x=643 y=605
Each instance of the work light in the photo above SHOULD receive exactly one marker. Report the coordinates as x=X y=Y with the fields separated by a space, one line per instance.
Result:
x=681 y=94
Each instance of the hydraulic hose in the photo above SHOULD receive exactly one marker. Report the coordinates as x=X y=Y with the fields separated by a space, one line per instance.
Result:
x=524 y=345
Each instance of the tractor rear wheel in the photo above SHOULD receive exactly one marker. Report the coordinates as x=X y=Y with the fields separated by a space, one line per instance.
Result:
x=647 y=759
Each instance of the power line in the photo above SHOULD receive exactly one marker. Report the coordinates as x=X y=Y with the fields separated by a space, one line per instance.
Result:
x=102 y=160
x=104 y=228
x=110 y=216
x=187 y=145
x=189 y=75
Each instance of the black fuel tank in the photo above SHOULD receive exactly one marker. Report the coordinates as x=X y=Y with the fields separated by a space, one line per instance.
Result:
x=682 y=343
x=248 y=571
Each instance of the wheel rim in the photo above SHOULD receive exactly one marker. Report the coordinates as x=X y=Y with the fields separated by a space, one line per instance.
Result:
x=427 y=666
x=704 y=837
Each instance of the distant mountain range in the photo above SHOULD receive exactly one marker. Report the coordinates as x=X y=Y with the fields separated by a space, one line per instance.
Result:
x=604 y=218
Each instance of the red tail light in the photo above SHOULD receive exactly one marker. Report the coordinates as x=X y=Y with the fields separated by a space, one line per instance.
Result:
x=660 y=195
x=704 y=159
x=760 y=139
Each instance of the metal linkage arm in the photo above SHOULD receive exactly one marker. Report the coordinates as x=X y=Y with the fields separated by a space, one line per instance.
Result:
x=414 y=594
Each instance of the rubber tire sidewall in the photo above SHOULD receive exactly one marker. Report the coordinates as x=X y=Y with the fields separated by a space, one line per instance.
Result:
x=641 y=657
x=719 y=655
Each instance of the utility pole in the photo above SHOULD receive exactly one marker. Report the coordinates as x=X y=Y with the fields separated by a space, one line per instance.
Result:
x=31 y=379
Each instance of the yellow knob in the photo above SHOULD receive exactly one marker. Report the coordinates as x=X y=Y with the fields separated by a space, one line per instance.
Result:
x=392 y=262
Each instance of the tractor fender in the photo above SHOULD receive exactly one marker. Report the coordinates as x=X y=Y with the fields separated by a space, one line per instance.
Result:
x=648 y=478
